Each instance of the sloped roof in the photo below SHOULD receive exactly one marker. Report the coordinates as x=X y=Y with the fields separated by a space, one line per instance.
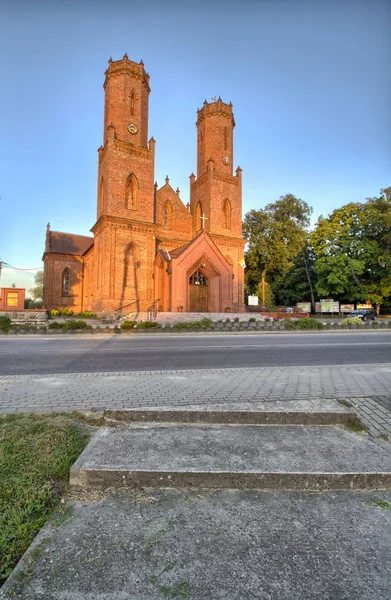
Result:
x=69 y=243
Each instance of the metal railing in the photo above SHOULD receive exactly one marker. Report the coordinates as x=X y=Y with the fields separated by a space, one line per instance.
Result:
x=153 y=310
x=125 y=306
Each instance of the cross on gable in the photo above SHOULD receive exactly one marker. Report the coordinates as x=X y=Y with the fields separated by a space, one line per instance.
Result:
x=203 y=219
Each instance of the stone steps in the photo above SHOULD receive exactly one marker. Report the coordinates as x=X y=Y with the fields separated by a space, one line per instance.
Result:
x=222 y=448
x=280 y=412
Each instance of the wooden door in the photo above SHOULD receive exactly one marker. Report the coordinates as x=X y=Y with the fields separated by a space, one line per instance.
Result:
x=198 y=292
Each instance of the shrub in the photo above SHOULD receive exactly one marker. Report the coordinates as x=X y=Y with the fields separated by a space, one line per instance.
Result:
x=128 y=325
x=205 y=322
x=88 y=314
x=309 y=324
x=201 y=324
x=75 y=325
x=252 y=320
x=375 y=324
x=56 y=325
x=352 y=321
x=304 y=324
x=147 y=325
x=185 y=325
x=54 y=312
x=66 y=312
x=5 y=323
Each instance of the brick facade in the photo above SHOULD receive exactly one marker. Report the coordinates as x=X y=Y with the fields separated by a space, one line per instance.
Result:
x=146 y=242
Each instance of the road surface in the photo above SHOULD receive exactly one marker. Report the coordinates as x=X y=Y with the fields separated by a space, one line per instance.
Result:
x=118 y=353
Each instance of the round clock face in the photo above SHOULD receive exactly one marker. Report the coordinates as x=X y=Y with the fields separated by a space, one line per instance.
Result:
x=132 y=128
x=225 y=160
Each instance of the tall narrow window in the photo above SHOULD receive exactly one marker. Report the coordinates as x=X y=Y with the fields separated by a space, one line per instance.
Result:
x=66 y=280
x=227 y=214
x=101 y=196
x=132 y=103
x=167 y=216
x=199 y=215
x=225 y=138
x=200 y=140
x=131 y=193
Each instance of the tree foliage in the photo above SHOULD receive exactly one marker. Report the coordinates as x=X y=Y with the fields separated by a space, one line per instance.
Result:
x=353 y=251
x=299 y=283
x=37 y=291
x=275 y=234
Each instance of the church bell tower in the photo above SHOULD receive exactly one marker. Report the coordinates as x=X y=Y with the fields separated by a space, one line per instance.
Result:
x=124 y=231
x=126 y=159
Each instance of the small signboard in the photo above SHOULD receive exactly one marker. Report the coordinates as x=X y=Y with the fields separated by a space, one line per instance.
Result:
x=347 y=308
x=366 y=305
x=304 y=306
x=253 y=300
x=327 y=306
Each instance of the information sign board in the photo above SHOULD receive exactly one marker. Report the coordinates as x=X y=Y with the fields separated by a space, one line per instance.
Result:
x=304 y=306
x=347 y=308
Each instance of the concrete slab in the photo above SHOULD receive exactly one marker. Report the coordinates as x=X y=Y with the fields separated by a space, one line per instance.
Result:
x=287 y=412
x=232 y=456
x=231 y=545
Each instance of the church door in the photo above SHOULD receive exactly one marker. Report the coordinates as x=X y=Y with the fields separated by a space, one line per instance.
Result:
x=198 y=292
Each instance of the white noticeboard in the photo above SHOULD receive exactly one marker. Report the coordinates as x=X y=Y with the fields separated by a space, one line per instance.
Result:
x=253 y=300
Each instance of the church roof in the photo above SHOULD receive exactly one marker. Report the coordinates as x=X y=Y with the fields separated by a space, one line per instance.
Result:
x=168 y=254
x=69 y=243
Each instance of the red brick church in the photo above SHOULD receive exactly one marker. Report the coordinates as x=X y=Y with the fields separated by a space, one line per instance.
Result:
x=147 y=246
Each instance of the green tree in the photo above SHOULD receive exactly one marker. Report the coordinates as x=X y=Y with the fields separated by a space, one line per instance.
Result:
x=37 y=291
x=353 y=251
x=275 y=234
x=299 y=285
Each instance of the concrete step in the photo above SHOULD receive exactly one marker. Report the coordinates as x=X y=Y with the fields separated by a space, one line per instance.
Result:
x=232 y=457
x=287 y=412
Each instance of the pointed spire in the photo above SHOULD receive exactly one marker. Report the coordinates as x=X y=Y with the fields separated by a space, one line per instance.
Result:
x=177 y=191
x=167 y=180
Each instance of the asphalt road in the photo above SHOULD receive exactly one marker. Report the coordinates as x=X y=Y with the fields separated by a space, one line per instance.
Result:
x=50 y=355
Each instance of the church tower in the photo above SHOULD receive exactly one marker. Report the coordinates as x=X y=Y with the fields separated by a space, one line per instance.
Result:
x=126 y=159
x=216 y=194
x=124 y=231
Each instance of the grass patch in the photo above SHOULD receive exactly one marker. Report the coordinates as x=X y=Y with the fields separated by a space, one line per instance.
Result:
x=380 y=503
x=346 y=403
x=357 y=427
x=36 y=453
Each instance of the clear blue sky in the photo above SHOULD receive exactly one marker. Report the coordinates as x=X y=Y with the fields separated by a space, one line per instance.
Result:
x=310 y=83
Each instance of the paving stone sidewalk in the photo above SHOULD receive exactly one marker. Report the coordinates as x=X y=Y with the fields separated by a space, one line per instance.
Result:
x=367 y=387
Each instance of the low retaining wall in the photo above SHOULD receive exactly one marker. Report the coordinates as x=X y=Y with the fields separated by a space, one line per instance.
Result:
x=219 y=326
x=29 y=315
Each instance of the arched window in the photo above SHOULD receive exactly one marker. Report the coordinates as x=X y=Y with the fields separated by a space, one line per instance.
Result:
x=200 y=140
x=66 y=281
x=227 y=214
x=132 y=103
x=199 y=214
x=131 y=194
x=101 y=197
x=167 y=216
x=225 y=138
